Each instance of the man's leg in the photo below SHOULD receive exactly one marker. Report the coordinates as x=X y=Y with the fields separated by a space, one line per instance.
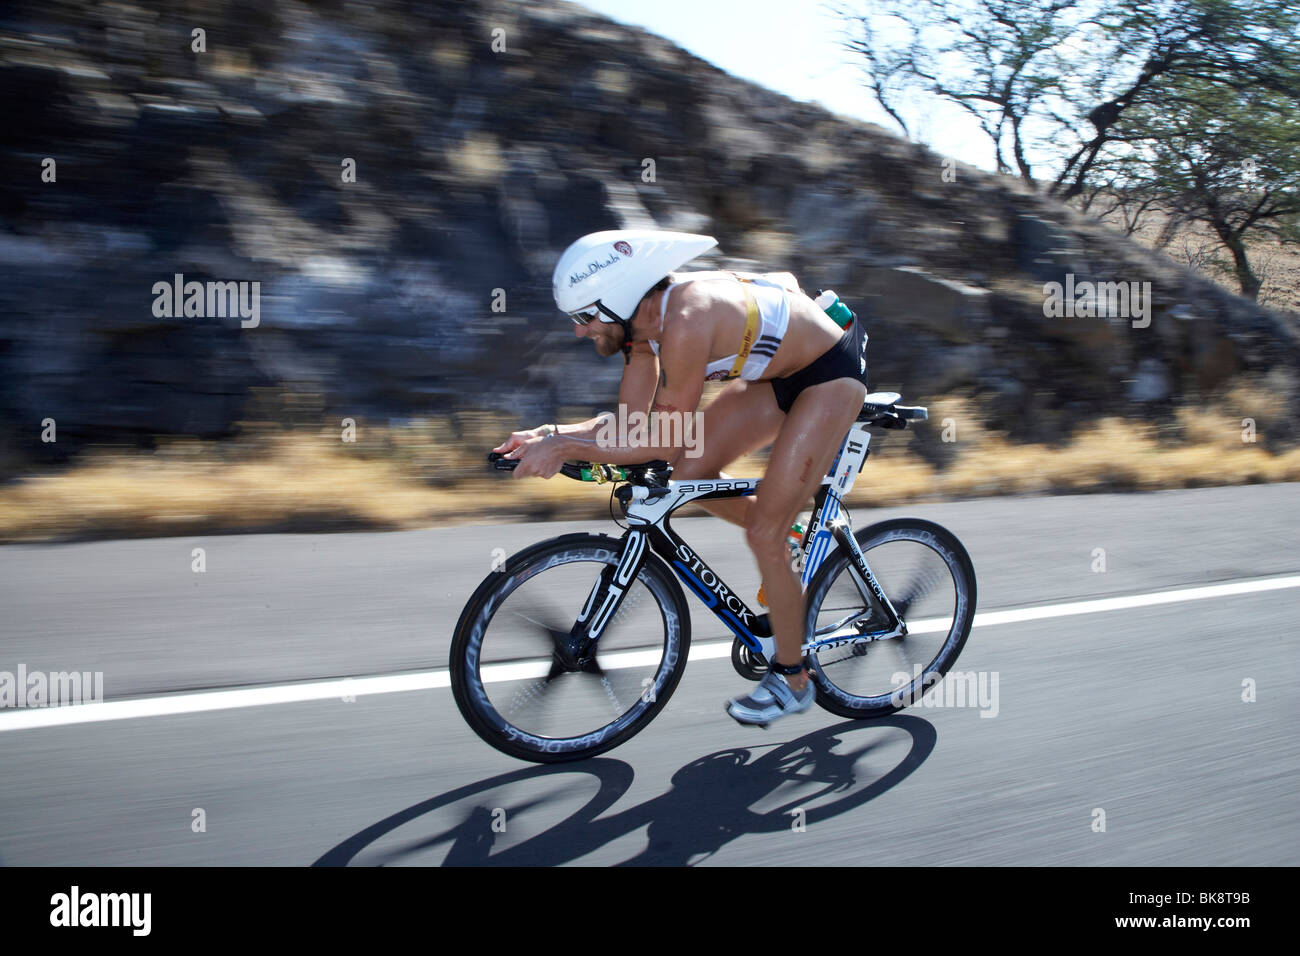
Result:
x=743 y=418
x=803 y=450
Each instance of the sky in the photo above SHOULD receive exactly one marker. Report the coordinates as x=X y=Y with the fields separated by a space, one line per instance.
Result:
x=793 y=47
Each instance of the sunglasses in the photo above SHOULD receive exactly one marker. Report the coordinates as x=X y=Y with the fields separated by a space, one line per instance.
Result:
x=584 y=316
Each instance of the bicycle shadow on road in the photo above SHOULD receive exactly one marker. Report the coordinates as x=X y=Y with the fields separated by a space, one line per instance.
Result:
x=711 y=802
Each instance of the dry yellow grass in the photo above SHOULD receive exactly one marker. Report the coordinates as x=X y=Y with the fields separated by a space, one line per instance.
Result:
x=282 y=479
x=1113 y=455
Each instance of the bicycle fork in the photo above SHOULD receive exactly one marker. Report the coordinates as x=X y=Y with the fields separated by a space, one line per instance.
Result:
x=605 y=598
x=866 y=581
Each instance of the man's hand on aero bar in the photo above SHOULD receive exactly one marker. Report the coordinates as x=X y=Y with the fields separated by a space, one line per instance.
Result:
x=518 y=438
x=539 y=457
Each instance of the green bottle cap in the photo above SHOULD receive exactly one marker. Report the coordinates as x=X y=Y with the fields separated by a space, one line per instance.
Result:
x=841 y=313
x=830 y=304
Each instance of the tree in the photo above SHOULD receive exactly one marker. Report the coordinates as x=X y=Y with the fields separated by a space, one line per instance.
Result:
x=1224 y=157
x=1000 y=60
x=1183 y=106
x=1056 y=77
x=1165 y=55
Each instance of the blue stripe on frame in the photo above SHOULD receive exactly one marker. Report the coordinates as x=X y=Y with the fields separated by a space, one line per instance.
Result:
x=711 y=601
x=695 y=584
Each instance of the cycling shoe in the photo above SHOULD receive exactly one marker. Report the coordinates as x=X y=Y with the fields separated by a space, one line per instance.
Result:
x=771 y=699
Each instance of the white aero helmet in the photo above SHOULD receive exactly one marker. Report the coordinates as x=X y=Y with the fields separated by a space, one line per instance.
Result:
x=606 y=274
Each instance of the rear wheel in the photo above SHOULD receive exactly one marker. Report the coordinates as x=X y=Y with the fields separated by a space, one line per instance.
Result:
x=510 y=676
x=861 y=668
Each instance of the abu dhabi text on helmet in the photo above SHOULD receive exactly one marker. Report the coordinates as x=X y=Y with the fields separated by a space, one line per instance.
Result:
x=611 y=271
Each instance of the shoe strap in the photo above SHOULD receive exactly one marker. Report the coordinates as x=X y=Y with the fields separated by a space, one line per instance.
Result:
x=787 y=670
x=782 y=694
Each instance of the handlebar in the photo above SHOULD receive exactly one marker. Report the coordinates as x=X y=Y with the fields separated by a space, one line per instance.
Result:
x=593 y=471
x=889 y=415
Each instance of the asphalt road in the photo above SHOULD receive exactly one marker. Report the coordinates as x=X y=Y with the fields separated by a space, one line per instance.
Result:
x=1133 y=713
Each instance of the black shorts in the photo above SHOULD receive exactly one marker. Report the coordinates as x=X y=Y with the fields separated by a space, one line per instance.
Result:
x=846 y=359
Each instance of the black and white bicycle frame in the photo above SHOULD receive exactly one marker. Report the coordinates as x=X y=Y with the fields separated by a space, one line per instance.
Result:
x=648 y=512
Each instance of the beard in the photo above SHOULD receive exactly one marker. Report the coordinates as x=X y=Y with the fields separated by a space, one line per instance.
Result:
x=608 y=345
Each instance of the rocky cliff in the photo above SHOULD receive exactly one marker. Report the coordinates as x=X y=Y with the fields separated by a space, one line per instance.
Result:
x=398 y=178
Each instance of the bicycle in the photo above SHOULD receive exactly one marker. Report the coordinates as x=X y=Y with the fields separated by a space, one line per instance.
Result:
x=908 y=607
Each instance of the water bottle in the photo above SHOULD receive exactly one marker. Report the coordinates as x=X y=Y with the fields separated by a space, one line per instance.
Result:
x=793 y=540
x=796 y=536
x=830 y=303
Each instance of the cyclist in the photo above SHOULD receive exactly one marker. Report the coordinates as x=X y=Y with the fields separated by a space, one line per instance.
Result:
x=798 y=384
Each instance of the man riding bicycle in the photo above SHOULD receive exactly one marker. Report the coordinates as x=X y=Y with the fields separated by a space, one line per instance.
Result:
x=798 y=383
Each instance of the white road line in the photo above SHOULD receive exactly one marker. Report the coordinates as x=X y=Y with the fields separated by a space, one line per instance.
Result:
x=1098 y=605
x=201 y=701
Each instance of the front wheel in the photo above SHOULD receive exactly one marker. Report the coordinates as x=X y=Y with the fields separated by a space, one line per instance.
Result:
x=507 y=678
x=864 y=668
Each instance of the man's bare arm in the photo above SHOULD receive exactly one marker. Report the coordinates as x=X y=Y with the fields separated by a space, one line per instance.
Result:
x=683 y=356
x=639 y=378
